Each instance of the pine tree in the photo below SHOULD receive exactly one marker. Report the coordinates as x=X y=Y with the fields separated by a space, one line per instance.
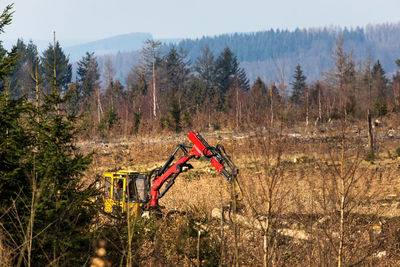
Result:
x=45 y=210
x=258 y=100
x=64 y=204
x=298 y=86
x=114 y=93
x=226 y=68
x=205 y=67
x=175 y=115
x=14 y=139
x=63 y=68
x=41 y=165
x=379 y=88
x=243 y=81
x=88 y=75
x=73 y=98
x=176 y=70
x=15 y=144
x=396 y=88
x=7 y=59
x=20 y=80
x=194 y=97
x=137 y=81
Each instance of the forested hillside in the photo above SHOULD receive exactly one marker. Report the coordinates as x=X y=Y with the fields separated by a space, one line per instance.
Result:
x=274 y=53
x=267 y=53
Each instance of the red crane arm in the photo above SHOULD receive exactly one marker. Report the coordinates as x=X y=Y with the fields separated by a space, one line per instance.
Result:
x=200 y=149
x=175 y=170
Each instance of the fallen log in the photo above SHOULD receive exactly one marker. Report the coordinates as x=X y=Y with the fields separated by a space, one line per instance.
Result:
x=254 y=223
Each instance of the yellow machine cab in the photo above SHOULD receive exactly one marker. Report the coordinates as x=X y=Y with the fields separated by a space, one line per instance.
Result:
x=125 y=190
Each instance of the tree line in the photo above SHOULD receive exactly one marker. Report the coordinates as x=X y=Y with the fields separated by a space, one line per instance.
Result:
x=165 y=91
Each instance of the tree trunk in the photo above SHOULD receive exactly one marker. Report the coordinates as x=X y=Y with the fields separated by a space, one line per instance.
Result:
x=319 y=105
x=99 y=108
x=237 y=106
x=342 y=199
x=235 y=227
x=154 y=90
x=272 y=106
x=307 y=109
x=370 y=133
x=198 y=248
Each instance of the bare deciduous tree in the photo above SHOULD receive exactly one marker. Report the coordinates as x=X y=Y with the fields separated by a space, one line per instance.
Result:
x=150 y=54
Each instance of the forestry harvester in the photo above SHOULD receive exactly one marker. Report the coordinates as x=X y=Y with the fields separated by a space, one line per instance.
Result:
x=137 y=191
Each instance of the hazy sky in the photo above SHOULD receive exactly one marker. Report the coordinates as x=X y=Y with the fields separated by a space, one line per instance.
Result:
x=95 y=19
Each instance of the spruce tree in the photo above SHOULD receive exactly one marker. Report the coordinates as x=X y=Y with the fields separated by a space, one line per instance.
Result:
x=14 y=139
x=258 y=100
x=88 y=75
x=243 y=81
x=73 y=98
x=176 y=70
x=195 y=96
x=20 y=80
x=65 y=203
x=205 y=67
x=45 y=209
x=175 y=115
x=63 y=68
x=227 y=70
x=8 y=59
x=298 y=86
x=379 y=88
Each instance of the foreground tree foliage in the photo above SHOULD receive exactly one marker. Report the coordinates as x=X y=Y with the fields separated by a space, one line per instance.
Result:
x=45 y=208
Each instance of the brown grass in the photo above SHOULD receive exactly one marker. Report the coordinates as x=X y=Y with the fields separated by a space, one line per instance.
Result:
x=304 y=151
x=5 y=253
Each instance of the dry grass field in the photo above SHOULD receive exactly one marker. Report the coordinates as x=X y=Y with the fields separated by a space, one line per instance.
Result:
x=293 y=178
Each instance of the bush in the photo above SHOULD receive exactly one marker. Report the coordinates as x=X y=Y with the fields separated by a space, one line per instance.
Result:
x=370 y=157
x=398 y=151
x=379 y=109
x=109 y=120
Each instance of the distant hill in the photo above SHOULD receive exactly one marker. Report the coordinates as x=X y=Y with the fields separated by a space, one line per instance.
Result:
x=265 y=53
x=123 y=51
x=111 y=45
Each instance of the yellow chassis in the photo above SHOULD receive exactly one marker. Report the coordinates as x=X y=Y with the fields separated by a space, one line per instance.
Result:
x=116 y=195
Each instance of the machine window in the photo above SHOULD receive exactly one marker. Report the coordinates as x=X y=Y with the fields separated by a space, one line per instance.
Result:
x=141 y=187
x=131 y=190
x=107 y=187
x=118 y=189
